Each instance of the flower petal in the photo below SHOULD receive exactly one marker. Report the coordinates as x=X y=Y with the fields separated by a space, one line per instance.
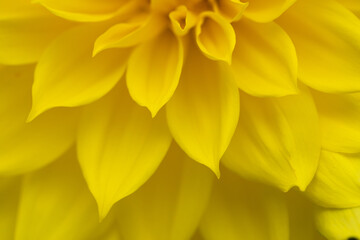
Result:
x=130 y=33
x=110 y=234
x=277 y=141
x=266 y=11
x=67 y=75
x=25 y=31
x=353 y=5
x=182 y=20
x=154 y=85
x=9 y=198
x=301 y=217
x=247 y=211
x=263 y=65
x=339 y=121
x=165 y=5
x=337 y=181
x=27 y=146
x=327 y=40
x=119 y=147
x=215 y=37
x=203 y=113
x=339 y=223
x=83 y=10
x=231 y=9
x=56 y=204
x=171 y=204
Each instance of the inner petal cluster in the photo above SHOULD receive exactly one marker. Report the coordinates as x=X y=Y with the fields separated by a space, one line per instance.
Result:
x=209 y=21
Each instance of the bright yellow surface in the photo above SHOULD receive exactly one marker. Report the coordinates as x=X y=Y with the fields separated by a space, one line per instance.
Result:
x=179 y=119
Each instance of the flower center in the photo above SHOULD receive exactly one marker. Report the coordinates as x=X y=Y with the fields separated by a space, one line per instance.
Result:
x=186 y=14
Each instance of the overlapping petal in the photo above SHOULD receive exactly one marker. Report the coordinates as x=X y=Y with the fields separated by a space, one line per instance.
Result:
x=182 y=20
x=131 y=33
x=67 y=74
x=25 y=31
x=277 y=141
x=244 y=210
x=119 y=147
x=164 y=5
x=215 y=37
x=337 y=180
x=301 y=217
x=27 y=146
x=84 y=51
x=155 y=84
x=56 y=204
x=353 y=5
x=263 y=65
x=339 y=121
x=85 y=10
x=203 y=113
x=170 y=205
x=339 y=224
x=267 y=11
x=327 y=40
x=231 y=9
x=9 y=198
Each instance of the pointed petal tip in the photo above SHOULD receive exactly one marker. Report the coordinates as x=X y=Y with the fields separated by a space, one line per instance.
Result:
x=302 y=186
x=96 y=50
x=217 y=174
x=215 y=169
x=103 y=209
x=153 y=110
x=150 y=109
x=37 y=110
x=34 y=113
x=211 y=164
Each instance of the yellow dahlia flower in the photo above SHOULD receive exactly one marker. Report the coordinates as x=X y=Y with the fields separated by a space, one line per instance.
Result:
x=179 y=119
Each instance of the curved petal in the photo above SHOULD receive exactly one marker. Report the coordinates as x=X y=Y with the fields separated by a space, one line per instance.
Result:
x=25 y=31
x=164 y=5
x=27 y=146
x=301 y=217
x=9 y=198
x=130 y=34
x=339 y=121
x=247 y=211
x=339 y=224
x=68 y=76
x=327 y=39
x=266 y=11
x=55 y=203
x=277 y=141
x=353 y=5
x=231 y=9
x=203 y=113
x=150 y=83
x=119 y=147
x=337 y=181
x=182 y=20
x=84 y=10
x=215 y=37
x=263 y=65
x=170 y=205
